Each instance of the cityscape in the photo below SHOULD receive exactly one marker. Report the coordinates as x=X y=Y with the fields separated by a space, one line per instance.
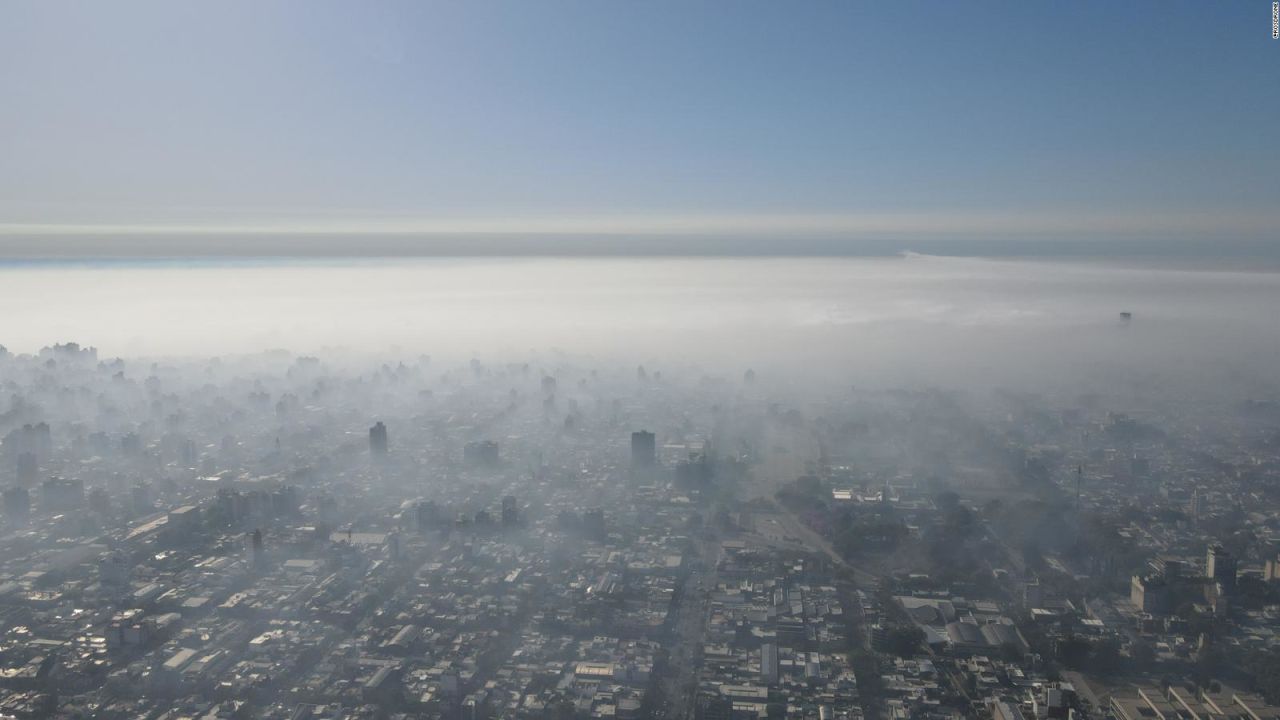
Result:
x=283 y=536
x=639 y=360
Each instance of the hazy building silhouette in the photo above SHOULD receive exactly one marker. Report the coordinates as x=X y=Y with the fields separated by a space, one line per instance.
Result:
x=510 y=514
x=644 y=449
x=256 y=543
x=593 y=524
x=378 y=439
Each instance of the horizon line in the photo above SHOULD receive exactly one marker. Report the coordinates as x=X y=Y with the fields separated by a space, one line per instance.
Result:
x=808 y=225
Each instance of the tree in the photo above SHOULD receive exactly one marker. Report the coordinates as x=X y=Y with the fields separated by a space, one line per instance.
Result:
x=903 y=640
x=1106 y=656
x=1143 y=654
x=1010 y=653
x=1074 y=652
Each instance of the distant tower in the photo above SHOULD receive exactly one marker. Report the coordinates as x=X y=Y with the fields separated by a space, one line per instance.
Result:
x=510 y=515
x=1194 y=510
x=1220 y=566
x=593 y=524
x=378 y=439
x=255 y=542
x=644 y=449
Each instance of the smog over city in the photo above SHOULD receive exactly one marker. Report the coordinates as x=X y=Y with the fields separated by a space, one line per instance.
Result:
x=639 y=361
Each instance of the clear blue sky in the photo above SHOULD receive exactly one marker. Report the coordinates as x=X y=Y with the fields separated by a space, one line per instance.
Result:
x=677 y=114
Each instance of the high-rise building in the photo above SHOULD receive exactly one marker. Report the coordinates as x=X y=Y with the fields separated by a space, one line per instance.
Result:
x=644 y=449
x=378 y=439
x=1220 y=566
x=510 y=514
x=593 y=524
x=258 y=547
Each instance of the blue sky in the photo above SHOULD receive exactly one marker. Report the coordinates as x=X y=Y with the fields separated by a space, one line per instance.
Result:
x=1064 y=118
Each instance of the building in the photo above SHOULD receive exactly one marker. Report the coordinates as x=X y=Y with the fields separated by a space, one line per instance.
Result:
x=255 y=542
x=1220 y=566
x=644 y=449
x=1005 y=711
x=769 y=664
x=510 y=513
x=1150 y=594
x=1176 y=701
x=378 y=439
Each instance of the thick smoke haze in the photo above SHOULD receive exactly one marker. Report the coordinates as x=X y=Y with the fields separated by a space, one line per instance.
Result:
x=911 y=318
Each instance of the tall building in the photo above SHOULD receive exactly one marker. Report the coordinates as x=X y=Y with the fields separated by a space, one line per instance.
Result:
x=1220 y=566
x=644 y=449
x=593 y=524
x=1150 y=594
x=510 y=514
x=378 y=439
x=255 y=541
